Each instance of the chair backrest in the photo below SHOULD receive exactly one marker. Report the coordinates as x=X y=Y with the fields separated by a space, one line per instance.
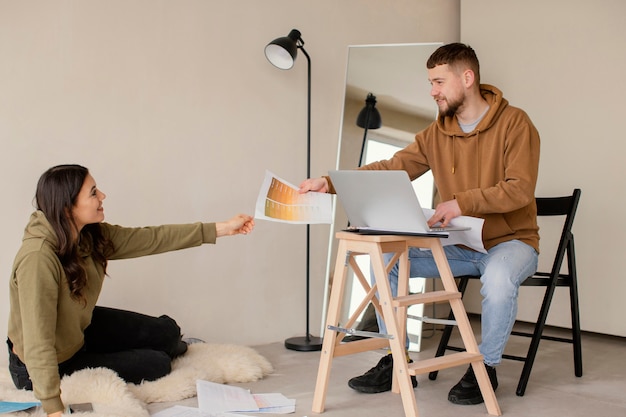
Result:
x=558 y=206
x=561 y=206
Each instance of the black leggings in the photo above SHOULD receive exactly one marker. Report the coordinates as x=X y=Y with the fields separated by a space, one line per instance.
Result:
x=136 y=346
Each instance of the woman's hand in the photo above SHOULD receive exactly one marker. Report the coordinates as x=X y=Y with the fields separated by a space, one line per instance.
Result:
x=240 y=224
x=57 y=414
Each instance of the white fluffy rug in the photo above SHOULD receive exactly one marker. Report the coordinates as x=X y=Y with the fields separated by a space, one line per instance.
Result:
x=112 y=397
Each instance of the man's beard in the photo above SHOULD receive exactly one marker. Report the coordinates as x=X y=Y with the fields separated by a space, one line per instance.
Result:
x=453 y=107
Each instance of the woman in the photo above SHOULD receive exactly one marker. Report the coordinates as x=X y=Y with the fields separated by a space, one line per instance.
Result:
x=55 y=327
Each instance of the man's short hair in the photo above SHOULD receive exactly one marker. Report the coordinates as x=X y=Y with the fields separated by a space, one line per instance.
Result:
x=458 y=56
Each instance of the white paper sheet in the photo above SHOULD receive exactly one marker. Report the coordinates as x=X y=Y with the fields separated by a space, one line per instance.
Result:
x=218 y=399
x=472 y=238
x=182 y=411
x=280 y=201
x=275 y=403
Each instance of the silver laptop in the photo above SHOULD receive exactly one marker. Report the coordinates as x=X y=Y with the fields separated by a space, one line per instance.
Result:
x=383 y=202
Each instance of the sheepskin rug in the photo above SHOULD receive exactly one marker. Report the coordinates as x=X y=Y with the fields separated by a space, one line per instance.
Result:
x=112 y=397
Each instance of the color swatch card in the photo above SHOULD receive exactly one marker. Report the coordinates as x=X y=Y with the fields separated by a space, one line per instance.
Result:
x=281 y=202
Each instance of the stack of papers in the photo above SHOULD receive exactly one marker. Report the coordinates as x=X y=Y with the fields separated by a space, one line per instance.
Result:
x=218 y=400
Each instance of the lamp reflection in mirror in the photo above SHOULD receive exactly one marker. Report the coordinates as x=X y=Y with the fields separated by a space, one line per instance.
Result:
x=368 y=118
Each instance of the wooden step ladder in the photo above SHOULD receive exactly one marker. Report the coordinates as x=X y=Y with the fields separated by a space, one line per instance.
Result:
x=393 y=311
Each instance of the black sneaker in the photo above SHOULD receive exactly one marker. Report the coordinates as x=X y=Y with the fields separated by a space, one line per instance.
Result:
x=467 y=391
x=378 y=379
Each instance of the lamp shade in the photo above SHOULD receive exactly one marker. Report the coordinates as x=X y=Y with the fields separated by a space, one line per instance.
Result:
x=369 y=117
x=282 y=52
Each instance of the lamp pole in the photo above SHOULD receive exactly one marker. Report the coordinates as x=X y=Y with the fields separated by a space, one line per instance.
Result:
x=307 y=343
x=278 y=53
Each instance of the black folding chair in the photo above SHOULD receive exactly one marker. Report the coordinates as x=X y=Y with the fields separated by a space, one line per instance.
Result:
x=546 y=206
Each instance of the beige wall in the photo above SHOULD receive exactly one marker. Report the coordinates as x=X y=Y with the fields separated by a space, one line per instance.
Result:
x=564 y=63
x=174 y=108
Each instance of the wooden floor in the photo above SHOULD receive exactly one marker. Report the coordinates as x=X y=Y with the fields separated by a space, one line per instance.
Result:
x=553 y=390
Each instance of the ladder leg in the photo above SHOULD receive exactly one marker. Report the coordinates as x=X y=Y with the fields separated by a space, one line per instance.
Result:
x=330 y=336
x=486 y=389
x=447 y=331
x=400 y=367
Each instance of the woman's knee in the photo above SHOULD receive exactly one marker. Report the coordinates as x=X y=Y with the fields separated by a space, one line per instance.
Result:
x=173 y=337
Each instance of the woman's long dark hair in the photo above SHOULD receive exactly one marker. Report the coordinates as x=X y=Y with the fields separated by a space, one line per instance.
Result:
x=57 y=191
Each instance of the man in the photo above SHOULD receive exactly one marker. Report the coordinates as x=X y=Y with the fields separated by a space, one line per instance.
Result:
x=484 y=156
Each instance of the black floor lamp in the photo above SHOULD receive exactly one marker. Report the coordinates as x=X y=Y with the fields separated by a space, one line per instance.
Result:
x=282 y=52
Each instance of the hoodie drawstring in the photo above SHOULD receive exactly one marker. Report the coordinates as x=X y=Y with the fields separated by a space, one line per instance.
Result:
x=453 y=154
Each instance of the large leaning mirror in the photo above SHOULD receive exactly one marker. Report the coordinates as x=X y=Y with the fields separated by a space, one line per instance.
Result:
x=396 y=76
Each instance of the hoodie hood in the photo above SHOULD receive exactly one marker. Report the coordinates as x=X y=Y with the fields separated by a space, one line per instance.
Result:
x=39 y=227
x=497 y=103
x=449 y=125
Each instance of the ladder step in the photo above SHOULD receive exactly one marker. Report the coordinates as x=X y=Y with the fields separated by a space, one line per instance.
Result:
x=443 y=362
x=425 y=298
x=431 y=320
x=360 y=332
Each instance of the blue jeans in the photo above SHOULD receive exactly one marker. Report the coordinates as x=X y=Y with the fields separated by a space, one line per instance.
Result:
x=502 y=270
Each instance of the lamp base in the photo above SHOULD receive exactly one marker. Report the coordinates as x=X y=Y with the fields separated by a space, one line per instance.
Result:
x=304 y=344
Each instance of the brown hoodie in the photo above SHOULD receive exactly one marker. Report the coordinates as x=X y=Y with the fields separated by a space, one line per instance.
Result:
x=491 y=171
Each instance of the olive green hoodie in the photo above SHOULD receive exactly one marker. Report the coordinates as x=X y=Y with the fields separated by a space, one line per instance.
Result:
x=491 y=171
x=45 y=324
